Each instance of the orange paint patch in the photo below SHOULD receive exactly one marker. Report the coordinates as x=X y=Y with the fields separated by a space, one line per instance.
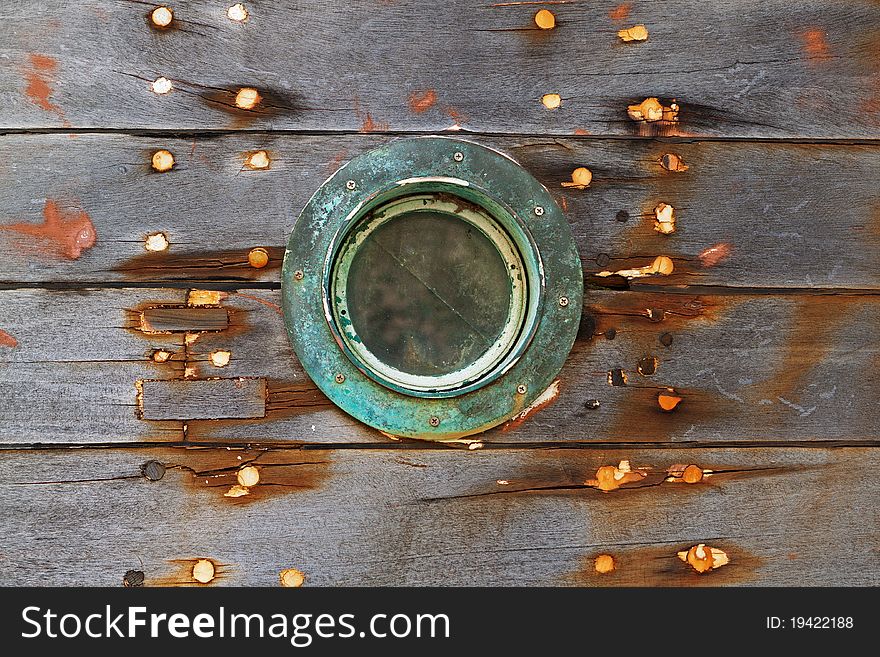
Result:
x=620 y=12
x=456 y=116
x=371 y=126
x=67 y=234
x=421 y=102
x=715 y=254
x=581 y=132
x=38 y=78
x=7 y=340
x=815 y=45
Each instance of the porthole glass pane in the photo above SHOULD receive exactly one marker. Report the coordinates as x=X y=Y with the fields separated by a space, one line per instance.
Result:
x=428 y=293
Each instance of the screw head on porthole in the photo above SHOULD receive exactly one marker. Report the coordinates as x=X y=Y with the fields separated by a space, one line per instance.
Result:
x=432 y=305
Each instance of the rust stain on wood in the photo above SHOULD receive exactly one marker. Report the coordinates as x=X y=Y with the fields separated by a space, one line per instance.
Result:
x=810 y=338
x=184 y=572
x=279 y=472
x=636 y=311
x=247 y=108
x=641 y=408
x=659 y=565
x=231 y=264
x=63 y=233
x=288 y=399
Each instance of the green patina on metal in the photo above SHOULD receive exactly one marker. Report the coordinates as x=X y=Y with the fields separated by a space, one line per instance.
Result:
x=429 y=304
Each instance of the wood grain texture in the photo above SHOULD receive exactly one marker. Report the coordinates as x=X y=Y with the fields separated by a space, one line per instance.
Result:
x=439 y=517
x=183 y=320
x=747 y=214
x=203 y=399
x=773 y=69
x=71 y=375
x=748 y=367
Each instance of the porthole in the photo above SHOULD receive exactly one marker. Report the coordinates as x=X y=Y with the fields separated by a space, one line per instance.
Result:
x=421 y=286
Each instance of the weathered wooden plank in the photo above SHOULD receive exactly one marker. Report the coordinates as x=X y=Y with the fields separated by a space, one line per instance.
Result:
x=165 y=319
x=203 y=399
x=747 y=214
x=774 y=69
x=766 y=367
x=69 y=363
x=439 y=517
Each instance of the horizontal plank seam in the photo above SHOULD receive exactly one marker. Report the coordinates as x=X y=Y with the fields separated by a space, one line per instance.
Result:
x=195 y=133
x=234 y=286
x=417 y=446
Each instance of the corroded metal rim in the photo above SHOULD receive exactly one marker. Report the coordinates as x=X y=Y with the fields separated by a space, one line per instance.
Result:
x=544 y=243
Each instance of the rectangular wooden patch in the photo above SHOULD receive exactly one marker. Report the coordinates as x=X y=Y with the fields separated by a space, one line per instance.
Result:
x=184 y=319
x=203 y=399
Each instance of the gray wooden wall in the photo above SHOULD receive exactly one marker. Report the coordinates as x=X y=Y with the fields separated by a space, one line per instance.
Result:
x=121 y=437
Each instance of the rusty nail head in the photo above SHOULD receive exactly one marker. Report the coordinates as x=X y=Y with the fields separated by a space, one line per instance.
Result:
x=298 y=274
x=351 y=185
x=521 y=389
x=563 y=301
x=539 y=211
x=434 y=421
x=458 y=157
x=340 y=378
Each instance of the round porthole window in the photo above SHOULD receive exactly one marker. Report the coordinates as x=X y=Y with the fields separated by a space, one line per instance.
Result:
x=432 y=288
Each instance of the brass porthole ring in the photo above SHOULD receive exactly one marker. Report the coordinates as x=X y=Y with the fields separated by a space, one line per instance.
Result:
x=422 y=277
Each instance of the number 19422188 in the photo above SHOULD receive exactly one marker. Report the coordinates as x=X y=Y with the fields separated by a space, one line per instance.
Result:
x=810 y=622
